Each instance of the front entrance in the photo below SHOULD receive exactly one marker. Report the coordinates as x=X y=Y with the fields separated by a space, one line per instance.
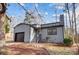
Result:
x=19 y=37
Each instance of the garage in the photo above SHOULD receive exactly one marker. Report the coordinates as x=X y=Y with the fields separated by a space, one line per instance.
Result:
x=21 y=33
x=19 y=37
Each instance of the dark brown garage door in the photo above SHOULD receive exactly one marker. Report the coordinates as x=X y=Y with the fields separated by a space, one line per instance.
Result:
x=19 y=37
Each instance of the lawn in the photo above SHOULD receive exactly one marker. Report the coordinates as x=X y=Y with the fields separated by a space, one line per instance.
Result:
x=37 y=49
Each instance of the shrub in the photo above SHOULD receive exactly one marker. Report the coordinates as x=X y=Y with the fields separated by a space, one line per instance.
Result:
x=67 y=41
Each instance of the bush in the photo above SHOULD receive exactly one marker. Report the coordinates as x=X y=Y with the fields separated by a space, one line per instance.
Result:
x=67 y=41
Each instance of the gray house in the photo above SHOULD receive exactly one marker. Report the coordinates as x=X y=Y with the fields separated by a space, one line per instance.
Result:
x=51 y=32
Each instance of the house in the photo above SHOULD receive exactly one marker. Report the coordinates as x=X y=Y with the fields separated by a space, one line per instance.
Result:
x=51 y=32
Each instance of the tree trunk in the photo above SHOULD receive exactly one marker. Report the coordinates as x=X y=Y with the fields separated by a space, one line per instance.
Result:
x=2 y=35
x=2 y=12
x=74 y=15
x=67 y=10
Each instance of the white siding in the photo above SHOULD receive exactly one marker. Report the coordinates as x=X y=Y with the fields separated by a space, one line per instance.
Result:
x=32 y=35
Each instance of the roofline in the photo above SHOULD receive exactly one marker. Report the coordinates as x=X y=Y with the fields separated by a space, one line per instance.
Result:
x=53 y=23
x=24 y=24
x=50 y=26
x=32 y=25
x=50 y=23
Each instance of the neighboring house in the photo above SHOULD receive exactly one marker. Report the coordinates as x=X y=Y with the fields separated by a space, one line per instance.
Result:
x=51 y=32
x=6 y=27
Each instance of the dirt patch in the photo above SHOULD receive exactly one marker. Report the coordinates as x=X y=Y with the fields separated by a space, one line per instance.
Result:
x=38 y=49
x=24 y=49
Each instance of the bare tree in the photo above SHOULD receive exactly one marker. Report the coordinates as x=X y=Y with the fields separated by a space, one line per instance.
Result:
x=2 y=12
x=68 y=13
x=74 y=15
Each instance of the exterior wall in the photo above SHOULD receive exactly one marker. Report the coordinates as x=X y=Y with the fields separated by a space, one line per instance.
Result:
x=30 y=34
x=53 y=38
x=23 y=28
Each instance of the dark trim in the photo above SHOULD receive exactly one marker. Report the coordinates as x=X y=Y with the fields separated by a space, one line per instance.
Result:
x=51 y=23
x=50 y=26
x=56 y=24
x=31 y=25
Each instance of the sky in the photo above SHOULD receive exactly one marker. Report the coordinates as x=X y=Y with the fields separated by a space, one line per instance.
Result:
x=47 y=10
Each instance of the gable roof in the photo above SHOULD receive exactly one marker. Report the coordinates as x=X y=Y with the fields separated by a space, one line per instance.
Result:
x=23 y=24
x=56 y=24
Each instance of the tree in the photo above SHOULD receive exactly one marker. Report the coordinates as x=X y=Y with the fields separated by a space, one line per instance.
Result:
x=67 y=11
x=6 y=24
x=74 y=15
x=2 y=12
x=29 y=16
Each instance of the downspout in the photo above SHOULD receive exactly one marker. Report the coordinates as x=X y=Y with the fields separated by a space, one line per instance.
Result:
x=29 y=30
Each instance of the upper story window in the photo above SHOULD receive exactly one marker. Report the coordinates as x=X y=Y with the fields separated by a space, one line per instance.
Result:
x=52 y=31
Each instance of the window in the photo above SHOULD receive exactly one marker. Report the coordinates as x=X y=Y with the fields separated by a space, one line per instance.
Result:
x=52 y=31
